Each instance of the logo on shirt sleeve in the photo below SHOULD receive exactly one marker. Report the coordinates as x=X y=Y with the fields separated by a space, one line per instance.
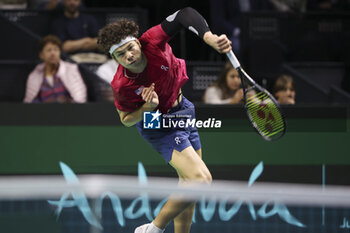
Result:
x=151 y=120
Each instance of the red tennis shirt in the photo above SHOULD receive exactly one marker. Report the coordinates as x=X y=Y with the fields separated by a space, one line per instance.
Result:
x=167 y=72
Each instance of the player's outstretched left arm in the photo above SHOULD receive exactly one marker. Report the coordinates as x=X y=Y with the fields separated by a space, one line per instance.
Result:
x=190 y=18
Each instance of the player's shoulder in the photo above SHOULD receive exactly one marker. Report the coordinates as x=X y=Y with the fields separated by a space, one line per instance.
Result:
x=119 y=81
x=154 y=30
x=116 y=79
x=154 y=35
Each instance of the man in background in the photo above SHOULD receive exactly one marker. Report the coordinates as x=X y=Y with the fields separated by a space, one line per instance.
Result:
x=78 y=32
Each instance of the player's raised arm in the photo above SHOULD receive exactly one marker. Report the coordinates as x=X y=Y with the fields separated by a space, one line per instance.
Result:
x=190 y=18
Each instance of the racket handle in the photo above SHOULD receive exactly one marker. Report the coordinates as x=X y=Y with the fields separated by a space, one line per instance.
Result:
x=233 y=59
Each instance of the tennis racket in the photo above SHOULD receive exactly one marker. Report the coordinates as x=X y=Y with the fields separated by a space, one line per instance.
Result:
x=263 y=111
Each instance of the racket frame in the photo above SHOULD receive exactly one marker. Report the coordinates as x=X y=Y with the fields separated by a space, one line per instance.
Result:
x=243 y=75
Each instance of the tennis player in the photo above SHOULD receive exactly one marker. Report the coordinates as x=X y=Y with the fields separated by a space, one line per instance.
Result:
x=149 y=78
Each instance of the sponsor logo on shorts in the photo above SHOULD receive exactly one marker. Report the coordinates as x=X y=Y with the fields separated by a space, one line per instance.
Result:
x=177 y=140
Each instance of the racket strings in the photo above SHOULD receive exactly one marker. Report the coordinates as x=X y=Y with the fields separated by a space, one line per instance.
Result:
x=265 y=115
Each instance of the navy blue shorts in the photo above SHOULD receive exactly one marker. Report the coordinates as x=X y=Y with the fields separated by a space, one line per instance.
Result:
x=165 y=140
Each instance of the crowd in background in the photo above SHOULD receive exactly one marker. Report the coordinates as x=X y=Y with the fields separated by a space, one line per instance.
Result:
x=75 y=34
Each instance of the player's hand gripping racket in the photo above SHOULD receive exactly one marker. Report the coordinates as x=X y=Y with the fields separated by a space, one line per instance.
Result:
x=262 y=109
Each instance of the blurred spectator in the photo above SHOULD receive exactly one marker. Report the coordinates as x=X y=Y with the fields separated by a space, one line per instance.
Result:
x=226 y=89
x=49 y=4
x=284 y=90
x=106 y=72
x=226 y=16
x=329 y=5
x=45 y=4
x=13 y=4
x=54 y=80
x=78 y=32
x=324 y=4
x=289 y=5
x=321 y=5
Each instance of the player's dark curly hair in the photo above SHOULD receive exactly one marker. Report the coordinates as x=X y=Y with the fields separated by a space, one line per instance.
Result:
x=114 y=32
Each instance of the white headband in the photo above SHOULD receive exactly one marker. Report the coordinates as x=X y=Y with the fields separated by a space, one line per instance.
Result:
x=121 y=43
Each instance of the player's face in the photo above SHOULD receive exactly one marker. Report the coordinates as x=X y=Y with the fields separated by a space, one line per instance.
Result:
x=286 y=95
x=129 y=55
x=233 y=80
x=50 y=54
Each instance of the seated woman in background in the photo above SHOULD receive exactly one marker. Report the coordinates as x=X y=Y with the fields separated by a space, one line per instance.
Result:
x=54 y=80
x=284 y=90
x=226 y=89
